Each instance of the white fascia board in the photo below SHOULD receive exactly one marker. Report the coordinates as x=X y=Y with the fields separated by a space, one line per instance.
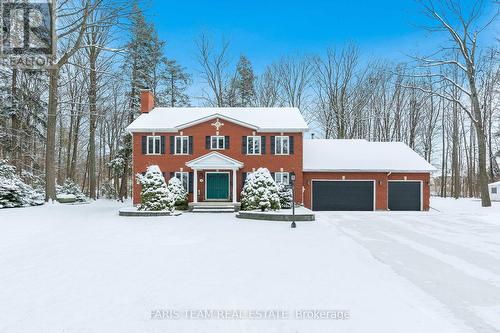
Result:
x=368 y=170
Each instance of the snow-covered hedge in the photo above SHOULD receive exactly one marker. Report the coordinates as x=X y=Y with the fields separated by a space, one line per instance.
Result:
x=155 y=195
x=260 y=191
x=285 y=194
x=14 y=192
x=181 y=196
x=70 y=188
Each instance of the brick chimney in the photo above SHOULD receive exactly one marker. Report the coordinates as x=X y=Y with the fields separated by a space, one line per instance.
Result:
x=147 y=101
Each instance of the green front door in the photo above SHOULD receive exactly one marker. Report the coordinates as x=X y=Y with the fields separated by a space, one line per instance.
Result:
x=217 y=186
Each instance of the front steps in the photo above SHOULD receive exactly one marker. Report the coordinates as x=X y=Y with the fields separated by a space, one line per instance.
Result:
x=214 y=207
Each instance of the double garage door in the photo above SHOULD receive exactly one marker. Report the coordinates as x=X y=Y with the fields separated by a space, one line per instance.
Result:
x=360 y=195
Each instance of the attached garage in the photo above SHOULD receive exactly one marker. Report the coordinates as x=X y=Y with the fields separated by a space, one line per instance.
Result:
x=405 y=195
x=343 y=195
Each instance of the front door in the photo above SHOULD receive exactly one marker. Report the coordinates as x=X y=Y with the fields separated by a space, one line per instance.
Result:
x=217 y=186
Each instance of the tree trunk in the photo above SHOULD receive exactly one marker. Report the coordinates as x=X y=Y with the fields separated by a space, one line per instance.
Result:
x=50 y=171
x=92 y=125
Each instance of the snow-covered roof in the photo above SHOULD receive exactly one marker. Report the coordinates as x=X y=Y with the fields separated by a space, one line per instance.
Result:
x=260 y=119
x=361 y=155
x=494 y=184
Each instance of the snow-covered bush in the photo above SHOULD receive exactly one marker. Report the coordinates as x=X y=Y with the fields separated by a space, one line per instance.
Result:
x=260 y=191
x=285 y=194
x=155 y=195
x=108 y=190
x=14 y=192
x=180 y=195
x=70 y=188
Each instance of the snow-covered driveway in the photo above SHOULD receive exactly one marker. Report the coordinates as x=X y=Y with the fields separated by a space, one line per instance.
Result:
x=84 y=269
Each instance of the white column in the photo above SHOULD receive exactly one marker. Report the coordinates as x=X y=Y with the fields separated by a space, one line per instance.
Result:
x=234 y=186
x=195 y=185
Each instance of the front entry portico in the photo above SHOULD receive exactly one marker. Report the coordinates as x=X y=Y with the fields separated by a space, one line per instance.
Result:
x=218 y=169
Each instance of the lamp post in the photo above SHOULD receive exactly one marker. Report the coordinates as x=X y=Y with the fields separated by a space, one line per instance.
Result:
x=292 y=178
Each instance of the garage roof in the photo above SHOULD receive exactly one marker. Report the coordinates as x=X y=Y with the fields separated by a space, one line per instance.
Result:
x=322 y=155
x=284 y=119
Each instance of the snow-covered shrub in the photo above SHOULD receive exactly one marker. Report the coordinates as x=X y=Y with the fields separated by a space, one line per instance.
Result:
x=285 y=194
x=155 y=195
x=180 y=195
x=70 y=188
x=260 y=191
x=14 y=192
x=108 y=190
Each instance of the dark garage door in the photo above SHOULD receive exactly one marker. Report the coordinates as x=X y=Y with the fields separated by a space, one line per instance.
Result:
x=342 y=195
x=404 y=195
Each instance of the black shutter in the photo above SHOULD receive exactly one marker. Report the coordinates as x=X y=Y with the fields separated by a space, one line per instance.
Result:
x=262 y=145
x=162 y=145
x=207 y=142
x=172 y=144
x=144 y=142
x=164 y=174
x=190 y=150
x=244 y=145
x=190 y=182
x=172 y=174
x=272 y=145
x=290 y=180
x=226 y=138
x=243 y=178
x=291 y=144
x=272 y=175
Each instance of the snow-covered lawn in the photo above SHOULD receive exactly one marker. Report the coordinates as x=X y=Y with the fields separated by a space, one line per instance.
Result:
x=67 y=268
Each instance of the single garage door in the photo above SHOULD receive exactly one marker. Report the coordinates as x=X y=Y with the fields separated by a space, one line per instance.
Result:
x=342 y=195
x=404 y=195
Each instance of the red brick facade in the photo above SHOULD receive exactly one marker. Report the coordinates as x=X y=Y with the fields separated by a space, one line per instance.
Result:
x=170 y=162
x=381 y=179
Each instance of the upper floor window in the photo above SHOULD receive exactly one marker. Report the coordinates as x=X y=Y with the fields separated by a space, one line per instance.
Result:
x=282 y=178
x=253 y=145
x=217 y=142
x=282 y=145
x=181 y=144
x=153 y=145
x=184 y=178
x=493 y=190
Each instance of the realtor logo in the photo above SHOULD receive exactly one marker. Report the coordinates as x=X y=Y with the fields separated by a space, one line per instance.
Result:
x=26 y=35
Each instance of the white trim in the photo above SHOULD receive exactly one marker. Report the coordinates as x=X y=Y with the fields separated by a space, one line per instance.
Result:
x=154 y=144
x=214 y=116
x=368 y=170
x=187 y=179
x=217 y=140
x=282 y=172
x=253 y=145
x=275 y=145
x=374 y=181
x=408 y=181
x=228 y=186
x=235 y=164
x=182 y=144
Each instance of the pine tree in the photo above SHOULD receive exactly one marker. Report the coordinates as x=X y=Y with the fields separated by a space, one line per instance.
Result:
x=260 y=192
x=286 y=196
x=176 y=80
x=180 y=195
x=244 y=83
x=14 y=192
x=69 y=187
x=155 y=195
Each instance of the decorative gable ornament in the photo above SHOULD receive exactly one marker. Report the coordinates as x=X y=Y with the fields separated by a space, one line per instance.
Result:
x=217 y=124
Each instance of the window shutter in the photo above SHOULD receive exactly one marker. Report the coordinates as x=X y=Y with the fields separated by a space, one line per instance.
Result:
x=172 y=144
x=190 y=182
x=226 y=138
x=172 y=174
x=164 y=174
x=273 y=175
x=243 y=178
x=263 y=145
x=144 y=143
x=272 y=145
x=290 y=179
x=207 y=142
x=291 y=144
x=190 y=149
x=162 y=145
x=244 y=145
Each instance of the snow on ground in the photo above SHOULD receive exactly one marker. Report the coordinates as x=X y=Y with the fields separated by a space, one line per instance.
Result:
x=67 y=268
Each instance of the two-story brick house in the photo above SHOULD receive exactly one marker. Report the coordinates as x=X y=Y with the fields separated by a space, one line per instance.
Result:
x=211 y=150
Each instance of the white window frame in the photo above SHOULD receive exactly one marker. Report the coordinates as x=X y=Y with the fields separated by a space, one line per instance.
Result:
x=156 y=140
x=184 y=144
x=494 y=190
x=256 y=143
x=281 y=139
x=279 y=177
x=181 y=175
x=217 y=142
